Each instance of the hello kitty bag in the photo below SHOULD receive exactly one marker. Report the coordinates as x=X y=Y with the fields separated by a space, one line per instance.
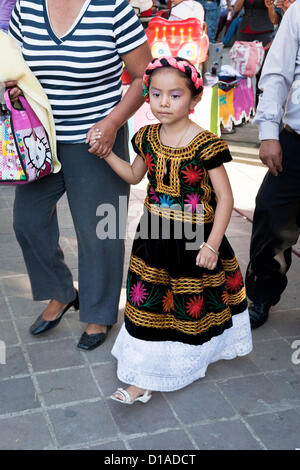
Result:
x=25 y=154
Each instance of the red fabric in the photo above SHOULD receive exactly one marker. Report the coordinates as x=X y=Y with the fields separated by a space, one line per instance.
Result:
x=147 y=12
x=248 y=30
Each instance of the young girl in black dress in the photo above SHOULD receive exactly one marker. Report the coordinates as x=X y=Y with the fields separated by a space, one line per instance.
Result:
x=186 y=308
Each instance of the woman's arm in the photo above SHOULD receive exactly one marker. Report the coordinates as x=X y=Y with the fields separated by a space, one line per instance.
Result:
x=274 y=18
x=132 y=174
x=136 y=62
x=238 y=5
x=206 y=257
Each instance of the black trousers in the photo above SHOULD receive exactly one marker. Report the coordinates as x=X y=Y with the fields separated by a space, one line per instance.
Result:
x=93 y=191
x=276 y=226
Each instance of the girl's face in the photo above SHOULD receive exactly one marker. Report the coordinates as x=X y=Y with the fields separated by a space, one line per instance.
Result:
x=170 y=98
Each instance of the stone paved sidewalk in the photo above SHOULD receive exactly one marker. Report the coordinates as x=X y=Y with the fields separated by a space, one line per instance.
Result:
x=53 y=396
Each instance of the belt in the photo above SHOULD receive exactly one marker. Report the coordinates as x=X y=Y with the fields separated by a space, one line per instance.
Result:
x=290 y=130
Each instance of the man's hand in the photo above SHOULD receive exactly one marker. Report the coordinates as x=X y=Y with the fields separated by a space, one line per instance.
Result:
x=270 y=154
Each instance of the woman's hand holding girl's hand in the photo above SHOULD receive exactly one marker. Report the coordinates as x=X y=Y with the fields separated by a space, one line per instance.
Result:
x=14 y=90
x=101 y=138
x=206 y=258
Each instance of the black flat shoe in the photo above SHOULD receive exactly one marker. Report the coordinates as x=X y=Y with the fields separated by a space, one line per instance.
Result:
x=89 y=342
x=41 y=326
x=259 y=314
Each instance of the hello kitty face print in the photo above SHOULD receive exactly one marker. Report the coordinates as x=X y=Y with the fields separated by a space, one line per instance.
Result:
x=38 y=152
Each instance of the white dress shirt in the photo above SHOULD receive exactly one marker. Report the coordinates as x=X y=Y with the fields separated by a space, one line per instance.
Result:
x=280 y=79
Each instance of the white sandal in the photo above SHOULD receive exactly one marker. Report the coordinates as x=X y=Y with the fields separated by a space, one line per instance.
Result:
x=127 y=398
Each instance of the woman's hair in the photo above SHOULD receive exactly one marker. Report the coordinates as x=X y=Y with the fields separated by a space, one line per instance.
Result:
x=185 y=69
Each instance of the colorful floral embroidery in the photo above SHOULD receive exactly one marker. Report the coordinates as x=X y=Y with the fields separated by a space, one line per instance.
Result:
x=138 y=293
x=194 y=306
x=168 y=302
x=192 y=175
x=225 y=297
x=149 y=162
x=192 y=202
x=234 y=281
x=153 y=195
x=166 y=201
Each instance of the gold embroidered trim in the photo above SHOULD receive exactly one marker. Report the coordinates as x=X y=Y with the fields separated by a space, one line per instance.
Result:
x=237 y=298
x=139 y=142
x=163 y=321
x=174 y=188
x=179 y=286
x=230 y=264
x=212 y=144
x=155 y=275
x=195 y=286
x=186 y=152
x=213 y=149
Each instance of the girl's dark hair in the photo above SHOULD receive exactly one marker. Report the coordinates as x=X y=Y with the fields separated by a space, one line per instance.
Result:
x=187 y=71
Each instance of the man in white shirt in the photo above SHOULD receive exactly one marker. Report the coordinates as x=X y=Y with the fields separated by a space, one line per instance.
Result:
x=276 y=223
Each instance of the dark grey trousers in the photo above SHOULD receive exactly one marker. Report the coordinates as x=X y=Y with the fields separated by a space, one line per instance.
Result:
x=89 y=183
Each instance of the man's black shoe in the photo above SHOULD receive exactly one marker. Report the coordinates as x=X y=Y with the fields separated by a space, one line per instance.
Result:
x=259 y=313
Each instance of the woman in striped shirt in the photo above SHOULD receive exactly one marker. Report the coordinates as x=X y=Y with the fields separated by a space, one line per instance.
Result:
x=75 y=48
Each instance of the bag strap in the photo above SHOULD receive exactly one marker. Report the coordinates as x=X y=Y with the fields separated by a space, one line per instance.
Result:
x=25 y=107
x=7 y=100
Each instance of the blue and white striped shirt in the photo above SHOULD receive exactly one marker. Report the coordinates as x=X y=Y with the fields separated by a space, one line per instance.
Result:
x=81 y=71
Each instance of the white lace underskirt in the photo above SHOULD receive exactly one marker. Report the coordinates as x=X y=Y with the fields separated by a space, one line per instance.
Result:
x=166 y=366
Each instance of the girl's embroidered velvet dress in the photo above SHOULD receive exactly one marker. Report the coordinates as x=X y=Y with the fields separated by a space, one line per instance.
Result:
x=179 y=317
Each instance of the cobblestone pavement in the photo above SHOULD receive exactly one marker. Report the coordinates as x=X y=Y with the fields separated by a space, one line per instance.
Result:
x=54 y=396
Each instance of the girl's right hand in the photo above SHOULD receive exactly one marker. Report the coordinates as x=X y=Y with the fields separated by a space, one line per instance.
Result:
x=14 y=90
x=206 y=258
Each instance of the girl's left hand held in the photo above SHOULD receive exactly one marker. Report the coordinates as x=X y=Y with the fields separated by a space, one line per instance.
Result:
x=206 y=258
x=101 y=137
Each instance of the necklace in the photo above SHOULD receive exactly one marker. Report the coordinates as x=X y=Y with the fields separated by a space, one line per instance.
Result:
x=172 y=154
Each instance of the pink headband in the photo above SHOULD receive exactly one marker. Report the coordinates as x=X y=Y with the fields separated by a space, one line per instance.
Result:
x=177 y=63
